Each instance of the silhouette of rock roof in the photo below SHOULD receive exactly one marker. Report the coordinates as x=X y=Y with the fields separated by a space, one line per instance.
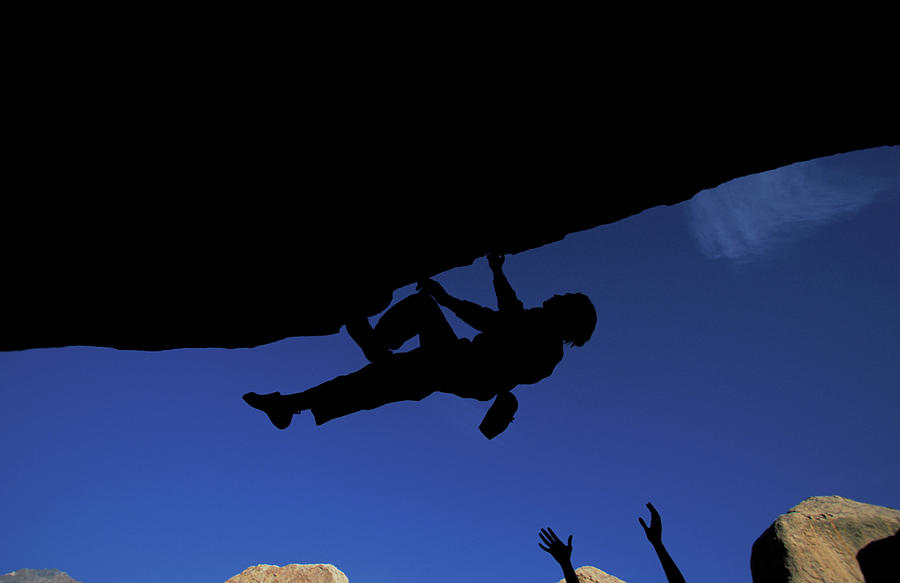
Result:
x=185 y=215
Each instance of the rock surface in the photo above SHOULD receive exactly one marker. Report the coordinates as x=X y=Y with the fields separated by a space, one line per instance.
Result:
x=290 y=574
x=819 y=539
x=37 y=576
x=225 y=218
x=593 y=575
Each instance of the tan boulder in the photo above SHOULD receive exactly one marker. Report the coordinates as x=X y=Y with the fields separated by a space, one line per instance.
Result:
x=594 y=575
x=37 y=576
x=290 y=574
x=818 y=541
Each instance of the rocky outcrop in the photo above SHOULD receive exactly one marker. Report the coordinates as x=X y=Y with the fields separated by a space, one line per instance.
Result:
x=819 y=539
x=246 y=205
x=290 y=574
x=225 y=218
x=593 y=575
x=37 y=576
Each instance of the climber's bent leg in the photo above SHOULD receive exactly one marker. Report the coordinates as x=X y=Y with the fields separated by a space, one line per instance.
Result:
x=418 y=315
x=362 y=333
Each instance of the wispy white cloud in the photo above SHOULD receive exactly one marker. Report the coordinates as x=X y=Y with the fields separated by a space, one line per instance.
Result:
x=750 y=216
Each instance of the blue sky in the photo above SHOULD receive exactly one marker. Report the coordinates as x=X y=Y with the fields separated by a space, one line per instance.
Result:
x=745 y=358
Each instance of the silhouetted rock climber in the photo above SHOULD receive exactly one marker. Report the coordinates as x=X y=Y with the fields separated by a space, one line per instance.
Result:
x=654 y=535
x=515 y=346
x=559 y=551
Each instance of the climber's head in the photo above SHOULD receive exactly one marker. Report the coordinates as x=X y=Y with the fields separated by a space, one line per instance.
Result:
x=574 y=317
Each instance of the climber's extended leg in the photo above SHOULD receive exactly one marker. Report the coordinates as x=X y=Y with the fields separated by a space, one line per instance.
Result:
x=278 y=407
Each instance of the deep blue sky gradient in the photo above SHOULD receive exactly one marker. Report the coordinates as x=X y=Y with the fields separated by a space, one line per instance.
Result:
x=742 y=362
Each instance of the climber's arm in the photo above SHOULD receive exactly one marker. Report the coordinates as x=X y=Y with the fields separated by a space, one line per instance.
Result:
x=471 y=313
x=506 y=295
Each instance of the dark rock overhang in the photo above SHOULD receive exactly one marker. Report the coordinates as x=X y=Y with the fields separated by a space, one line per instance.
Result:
x=158 y=222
